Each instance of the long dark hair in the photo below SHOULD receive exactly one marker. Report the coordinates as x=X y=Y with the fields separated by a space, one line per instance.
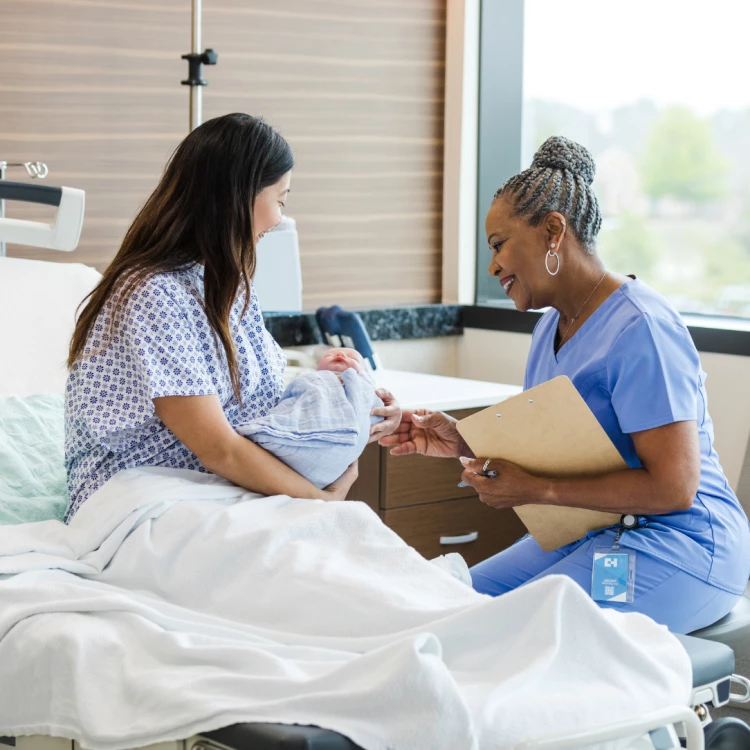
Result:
x=200 y=212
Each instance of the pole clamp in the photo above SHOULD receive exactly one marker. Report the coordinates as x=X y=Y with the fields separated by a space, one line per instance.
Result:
x=196 y=61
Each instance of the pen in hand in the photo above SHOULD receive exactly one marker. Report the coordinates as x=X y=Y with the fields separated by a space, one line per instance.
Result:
x=490 y=475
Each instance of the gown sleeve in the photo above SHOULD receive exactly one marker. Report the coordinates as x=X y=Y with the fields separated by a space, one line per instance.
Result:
x=155 y=350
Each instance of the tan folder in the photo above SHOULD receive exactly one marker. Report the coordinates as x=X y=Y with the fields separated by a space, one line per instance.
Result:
x=548 y=431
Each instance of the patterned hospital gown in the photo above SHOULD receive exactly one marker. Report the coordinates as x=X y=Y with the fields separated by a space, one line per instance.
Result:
x=163 y=346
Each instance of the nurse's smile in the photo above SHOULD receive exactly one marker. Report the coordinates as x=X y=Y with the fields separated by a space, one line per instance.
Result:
x=506 y=283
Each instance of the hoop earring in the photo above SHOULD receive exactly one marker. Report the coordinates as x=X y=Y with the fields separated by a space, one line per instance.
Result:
x=549 y=255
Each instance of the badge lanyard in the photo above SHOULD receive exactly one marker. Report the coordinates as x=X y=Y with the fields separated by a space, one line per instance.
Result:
x=613 y=572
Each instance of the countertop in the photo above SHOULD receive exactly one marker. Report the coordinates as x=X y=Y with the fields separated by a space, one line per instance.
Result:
x=388 y=324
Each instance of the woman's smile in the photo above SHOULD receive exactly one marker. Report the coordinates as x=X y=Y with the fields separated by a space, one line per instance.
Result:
x=507 y=282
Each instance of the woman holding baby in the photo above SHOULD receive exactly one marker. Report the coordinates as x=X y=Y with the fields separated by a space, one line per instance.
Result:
x=170 y=354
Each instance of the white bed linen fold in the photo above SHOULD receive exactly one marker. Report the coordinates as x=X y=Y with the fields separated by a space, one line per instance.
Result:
x=176 y=603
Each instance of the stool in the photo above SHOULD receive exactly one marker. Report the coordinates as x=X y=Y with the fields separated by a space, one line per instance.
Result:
x=732 y=630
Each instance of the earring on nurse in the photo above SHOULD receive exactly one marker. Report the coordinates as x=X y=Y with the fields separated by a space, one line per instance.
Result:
x=547 y=258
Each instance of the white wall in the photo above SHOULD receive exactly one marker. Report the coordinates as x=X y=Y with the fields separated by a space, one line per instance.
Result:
x=500 y=356
x=493 y=355
x=729 y=407
x=437 y=356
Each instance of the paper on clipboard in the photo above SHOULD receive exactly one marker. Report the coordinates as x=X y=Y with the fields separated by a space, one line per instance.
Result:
x=549 y=431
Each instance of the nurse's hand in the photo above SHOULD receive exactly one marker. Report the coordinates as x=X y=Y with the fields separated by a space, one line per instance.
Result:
x=391 y=413
x=511 y=487
x=340 y=488
x=429 y=433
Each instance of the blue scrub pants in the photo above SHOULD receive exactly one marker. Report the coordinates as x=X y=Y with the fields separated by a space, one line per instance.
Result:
x=665 y=593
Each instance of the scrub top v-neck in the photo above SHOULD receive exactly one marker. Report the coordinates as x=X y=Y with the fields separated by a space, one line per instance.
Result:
x=587 y=325
x=634 y=363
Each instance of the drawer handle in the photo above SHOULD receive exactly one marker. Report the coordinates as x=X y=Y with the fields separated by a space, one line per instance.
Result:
x=472 y=536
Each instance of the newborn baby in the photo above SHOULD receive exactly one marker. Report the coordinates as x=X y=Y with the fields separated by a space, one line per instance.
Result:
x=322 y=422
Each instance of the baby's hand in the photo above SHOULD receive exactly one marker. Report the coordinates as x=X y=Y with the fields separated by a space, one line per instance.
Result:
x=391 y=413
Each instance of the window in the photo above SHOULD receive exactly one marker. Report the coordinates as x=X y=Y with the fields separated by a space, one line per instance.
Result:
x=657 y=92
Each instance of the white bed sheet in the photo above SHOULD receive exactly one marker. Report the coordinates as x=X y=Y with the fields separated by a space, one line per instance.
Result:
x=298 y=611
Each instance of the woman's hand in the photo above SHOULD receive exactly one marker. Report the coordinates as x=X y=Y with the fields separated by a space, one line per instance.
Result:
x=340 y=488
x=390 y=411
x=429 y=433
x=511 y=487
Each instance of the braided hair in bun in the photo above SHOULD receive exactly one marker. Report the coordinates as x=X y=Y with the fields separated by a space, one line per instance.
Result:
x=559 y=179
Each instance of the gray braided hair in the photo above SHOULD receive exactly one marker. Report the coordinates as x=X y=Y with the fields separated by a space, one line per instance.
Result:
x=559 y=179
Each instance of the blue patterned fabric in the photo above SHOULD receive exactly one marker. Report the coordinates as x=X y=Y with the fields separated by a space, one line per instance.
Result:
x=321 y=425
x=162 y=346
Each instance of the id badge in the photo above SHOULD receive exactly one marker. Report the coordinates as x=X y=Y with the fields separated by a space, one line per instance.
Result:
x=613 y=575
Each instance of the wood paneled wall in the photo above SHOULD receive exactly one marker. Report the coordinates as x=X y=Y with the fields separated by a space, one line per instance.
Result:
x=92 y=87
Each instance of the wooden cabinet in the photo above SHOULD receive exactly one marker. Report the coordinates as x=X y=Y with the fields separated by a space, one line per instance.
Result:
x=477 y=530
x=419 y=499
x=416 y=480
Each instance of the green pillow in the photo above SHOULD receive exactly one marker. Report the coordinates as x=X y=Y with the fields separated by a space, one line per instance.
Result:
x=33 y=484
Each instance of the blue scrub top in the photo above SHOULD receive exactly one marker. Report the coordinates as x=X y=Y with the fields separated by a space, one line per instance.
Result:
x=634 y=363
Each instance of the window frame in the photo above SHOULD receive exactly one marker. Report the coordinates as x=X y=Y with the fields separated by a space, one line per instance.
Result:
x=499 y=122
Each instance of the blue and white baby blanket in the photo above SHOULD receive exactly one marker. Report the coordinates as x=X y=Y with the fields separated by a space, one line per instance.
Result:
x=320 y=425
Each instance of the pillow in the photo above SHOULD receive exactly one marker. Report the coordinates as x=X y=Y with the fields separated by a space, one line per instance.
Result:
x=33 y=482
x=38 y=302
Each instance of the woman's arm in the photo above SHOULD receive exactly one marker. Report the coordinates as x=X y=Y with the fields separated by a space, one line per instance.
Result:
x=668 y=481
x=199 y=423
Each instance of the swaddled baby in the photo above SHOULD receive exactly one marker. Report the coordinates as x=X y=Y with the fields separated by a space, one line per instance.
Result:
x=322 y=422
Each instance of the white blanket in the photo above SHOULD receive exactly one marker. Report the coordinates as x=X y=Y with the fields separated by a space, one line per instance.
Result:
x=176 y=603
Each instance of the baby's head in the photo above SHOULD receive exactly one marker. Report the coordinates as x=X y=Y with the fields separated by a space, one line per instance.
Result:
x=338 y=360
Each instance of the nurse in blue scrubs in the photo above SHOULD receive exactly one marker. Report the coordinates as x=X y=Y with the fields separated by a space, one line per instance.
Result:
x=632 y=359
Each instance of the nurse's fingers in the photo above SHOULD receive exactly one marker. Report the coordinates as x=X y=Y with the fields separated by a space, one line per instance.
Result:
x=398 y=437
x=402 y=432
x=482 y=483
x=469 y=479
x=479 y=465
x=405 y=449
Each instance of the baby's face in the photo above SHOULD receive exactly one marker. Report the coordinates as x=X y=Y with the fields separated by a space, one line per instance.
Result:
x=339 y=360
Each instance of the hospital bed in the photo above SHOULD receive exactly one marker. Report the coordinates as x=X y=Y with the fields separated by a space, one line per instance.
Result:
x=34 y=339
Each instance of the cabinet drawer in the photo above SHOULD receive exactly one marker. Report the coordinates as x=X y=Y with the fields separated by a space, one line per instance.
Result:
x=422 y=527
x=413 y=480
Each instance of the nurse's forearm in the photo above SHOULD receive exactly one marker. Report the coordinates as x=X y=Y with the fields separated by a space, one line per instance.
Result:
x=629 y=491
x=668 y=481
x=246 y=464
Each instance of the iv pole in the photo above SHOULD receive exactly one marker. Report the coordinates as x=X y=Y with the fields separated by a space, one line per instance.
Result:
x=196 y=60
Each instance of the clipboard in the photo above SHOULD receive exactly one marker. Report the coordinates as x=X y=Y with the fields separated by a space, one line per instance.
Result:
x=548 y=431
